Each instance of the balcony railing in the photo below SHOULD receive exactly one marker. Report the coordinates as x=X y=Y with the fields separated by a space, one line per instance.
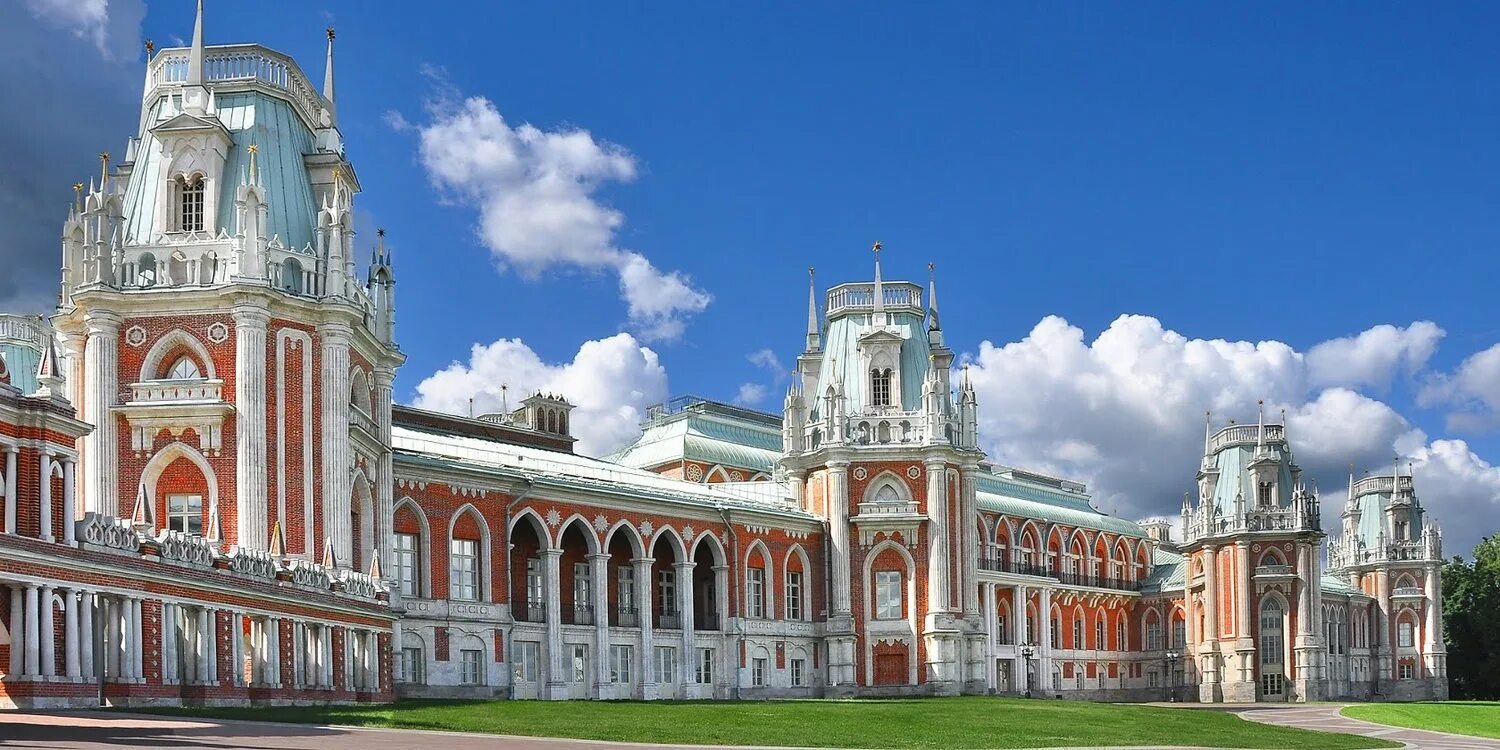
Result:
x=1006 y=565
x=359 y=419
x=244 y=63
x=669 y=620
x=1273 y=570
x=176 y=391
x=534 y=610
x=578 y=614
x=1099 y=582
x=861 y=296
x=1407 y=591
x=1245 y=433
x=626 y=617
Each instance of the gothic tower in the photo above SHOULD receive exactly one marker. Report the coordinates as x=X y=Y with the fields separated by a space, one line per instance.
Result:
x=214 y=326
x=875 y=444
x=1254 y=574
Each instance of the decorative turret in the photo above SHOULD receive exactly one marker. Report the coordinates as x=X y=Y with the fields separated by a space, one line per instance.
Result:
x=329 y=138
x=968 y=414
x=251 y=211
x=195 y=97
x=934 y=326
x=381 y=288
x=49 y=376
x=814 y=342
x=794 y=418
x=1248 y=481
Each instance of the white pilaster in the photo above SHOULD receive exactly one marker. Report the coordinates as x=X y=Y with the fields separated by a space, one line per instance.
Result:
x=251 y=510
x=557 y=687
x=10 y=490
x=86 y=614
x=338 y=460
x=599 y=599
x=968 y=502
x=643 y=588
x=838 y=532
x=101 y=356
x=685 y=614
x=32 y=641
x=71 y=645
x=45 y=486
x=17 y=630
x=939 y=582
x=70 y=502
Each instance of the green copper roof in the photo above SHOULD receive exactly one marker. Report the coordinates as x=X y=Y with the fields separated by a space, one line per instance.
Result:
x=1026 y=499
x=1236 y=480
x=710 y=436
x=841 y=358
x=1168 y=571
x=281 y=141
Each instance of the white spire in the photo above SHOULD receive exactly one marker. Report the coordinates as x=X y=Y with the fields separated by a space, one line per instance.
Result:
x=195 y=57
x=932 y=308
x=879 y=318
x=814 y=340
x=328 y=76
x=1260 y=419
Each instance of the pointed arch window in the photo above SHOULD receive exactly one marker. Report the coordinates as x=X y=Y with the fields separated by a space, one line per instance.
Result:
x=880 y=387
x=184 y=369
x=190 y=192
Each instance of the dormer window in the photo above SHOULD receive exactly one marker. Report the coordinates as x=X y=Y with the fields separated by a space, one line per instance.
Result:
x=184 y=369
x=1265 y=494
x=880 y=387
x=189 y=202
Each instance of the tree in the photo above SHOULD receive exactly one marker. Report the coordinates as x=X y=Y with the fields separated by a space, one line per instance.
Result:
x=1471 y=622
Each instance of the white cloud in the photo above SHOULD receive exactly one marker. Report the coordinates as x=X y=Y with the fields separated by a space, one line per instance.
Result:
x=767 y=359
x=1460 y=490
x=1473 y=389
x=610 y=381
x=750 y=394
x=111 y=28
x=1124 y=412
x=1373 y=357
x=536 y=193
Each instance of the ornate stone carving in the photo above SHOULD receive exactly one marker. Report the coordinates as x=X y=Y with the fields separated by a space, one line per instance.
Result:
x=177 y=547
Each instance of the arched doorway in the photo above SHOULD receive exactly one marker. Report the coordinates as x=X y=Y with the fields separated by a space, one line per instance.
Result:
x=1272 y=650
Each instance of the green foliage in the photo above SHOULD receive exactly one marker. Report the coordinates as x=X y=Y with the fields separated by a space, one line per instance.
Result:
x=1471 y=622
x=967 y=722
x=1478 y=718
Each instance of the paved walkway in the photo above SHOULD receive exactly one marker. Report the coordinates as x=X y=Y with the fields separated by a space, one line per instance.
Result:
x=1327 y=717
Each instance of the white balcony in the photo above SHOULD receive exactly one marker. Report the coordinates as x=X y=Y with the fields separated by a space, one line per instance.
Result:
x=176 y=406
x=195 y=390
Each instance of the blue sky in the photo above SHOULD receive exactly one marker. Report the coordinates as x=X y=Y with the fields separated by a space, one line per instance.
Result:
x=1239 y=172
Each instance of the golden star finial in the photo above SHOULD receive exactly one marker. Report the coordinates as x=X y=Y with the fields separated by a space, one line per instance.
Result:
x=77 y=187
x=252 y=148
x=877 y=246
x=337 y=173
x=150 y=47
x=330 y=33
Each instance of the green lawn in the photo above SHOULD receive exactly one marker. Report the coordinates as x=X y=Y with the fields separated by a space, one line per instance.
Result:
x=969 y=722
x=1479 y=718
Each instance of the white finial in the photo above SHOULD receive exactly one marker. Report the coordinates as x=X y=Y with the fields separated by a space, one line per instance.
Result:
x=1208 y=431
x=1260 y=438
x=932 y=307
x=879 y=289
x=195 y=56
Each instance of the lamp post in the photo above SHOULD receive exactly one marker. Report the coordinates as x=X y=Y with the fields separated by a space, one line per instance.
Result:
x=1028 y=650
x=1172 y=656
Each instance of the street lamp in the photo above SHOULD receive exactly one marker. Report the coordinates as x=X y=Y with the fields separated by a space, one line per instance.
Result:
x=1028 y=650
x=1172 y=656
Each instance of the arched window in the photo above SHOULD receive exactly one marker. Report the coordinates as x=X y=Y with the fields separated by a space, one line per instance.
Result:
x=1265 y=494
x=291 y=276
x=145 y=270
x=184 y=369
x=880 y=387
x=1272 y=651
x=189 y=203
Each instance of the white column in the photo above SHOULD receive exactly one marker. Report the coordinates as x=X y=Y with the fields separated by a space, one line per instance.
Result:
x=86 y=604
x=1210 y=596
x=171 y=662
x=1044 y=621
x=136 y=642
x=45 y=485
x=101 y=356
x=48 y=634
x=685 y=613
x=114 y=630
x=337 y=458
x=385 y=484
x=10 y=490
x=32 y=642
x=17 y=631
x=939 y=583
x=1242 y=601
x=643 y=597
x=1018 y=628
x=552 y=583
x=70 y=502
x=70 y=632
x=838 y=531
x=325 y=639
x=236 y=649
x=967 y=499
x=599 y=595
x=273 y=642
x=203 y=646
x=989 y=612
x=251 y=510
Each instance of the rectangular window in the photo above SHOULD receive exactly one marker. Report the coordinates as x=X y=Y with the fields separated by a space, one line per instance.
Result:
x=1099 y=635
x=185 y=513
x=463 y=579
x=411 y=664
x=1120 y=635
x=579 y=666
x=798 y=668
x=705 y=666
x=1055 y=635
x=472 y=663
x=755 y=591
x=1000 y=628
x=794 y=595
x=666 y=664
x=887 y=595
x=583 y=587
x=880 y=387
x=1408 y=670
x=535 y=591
x=1153 y=679
x=1153 y=636
x=758 y=672
x=1404 y=637
x=620 y=657
x=1179 y=634
x=190 y=204
x=1078 y=632
x=528 y=657
x=406 y=564
x=666 y=586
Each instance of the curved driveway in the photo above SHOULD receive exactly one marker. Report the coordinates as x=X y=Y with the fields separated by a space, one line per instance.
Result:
x=1327 y=717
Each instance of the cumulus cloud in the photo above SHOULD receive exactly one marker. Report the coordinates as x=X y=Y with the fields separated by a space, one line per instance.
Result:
x=767 y=359
x=1373 y=357
x=84 y=19
x=1473 y=390
x=1125 y=412
x=536 y=194
x=750 y=394
x=610 y=382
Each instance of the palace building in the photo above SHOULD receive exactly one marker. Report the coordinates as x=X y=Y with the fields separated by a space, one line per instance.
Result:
x=210 y=497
